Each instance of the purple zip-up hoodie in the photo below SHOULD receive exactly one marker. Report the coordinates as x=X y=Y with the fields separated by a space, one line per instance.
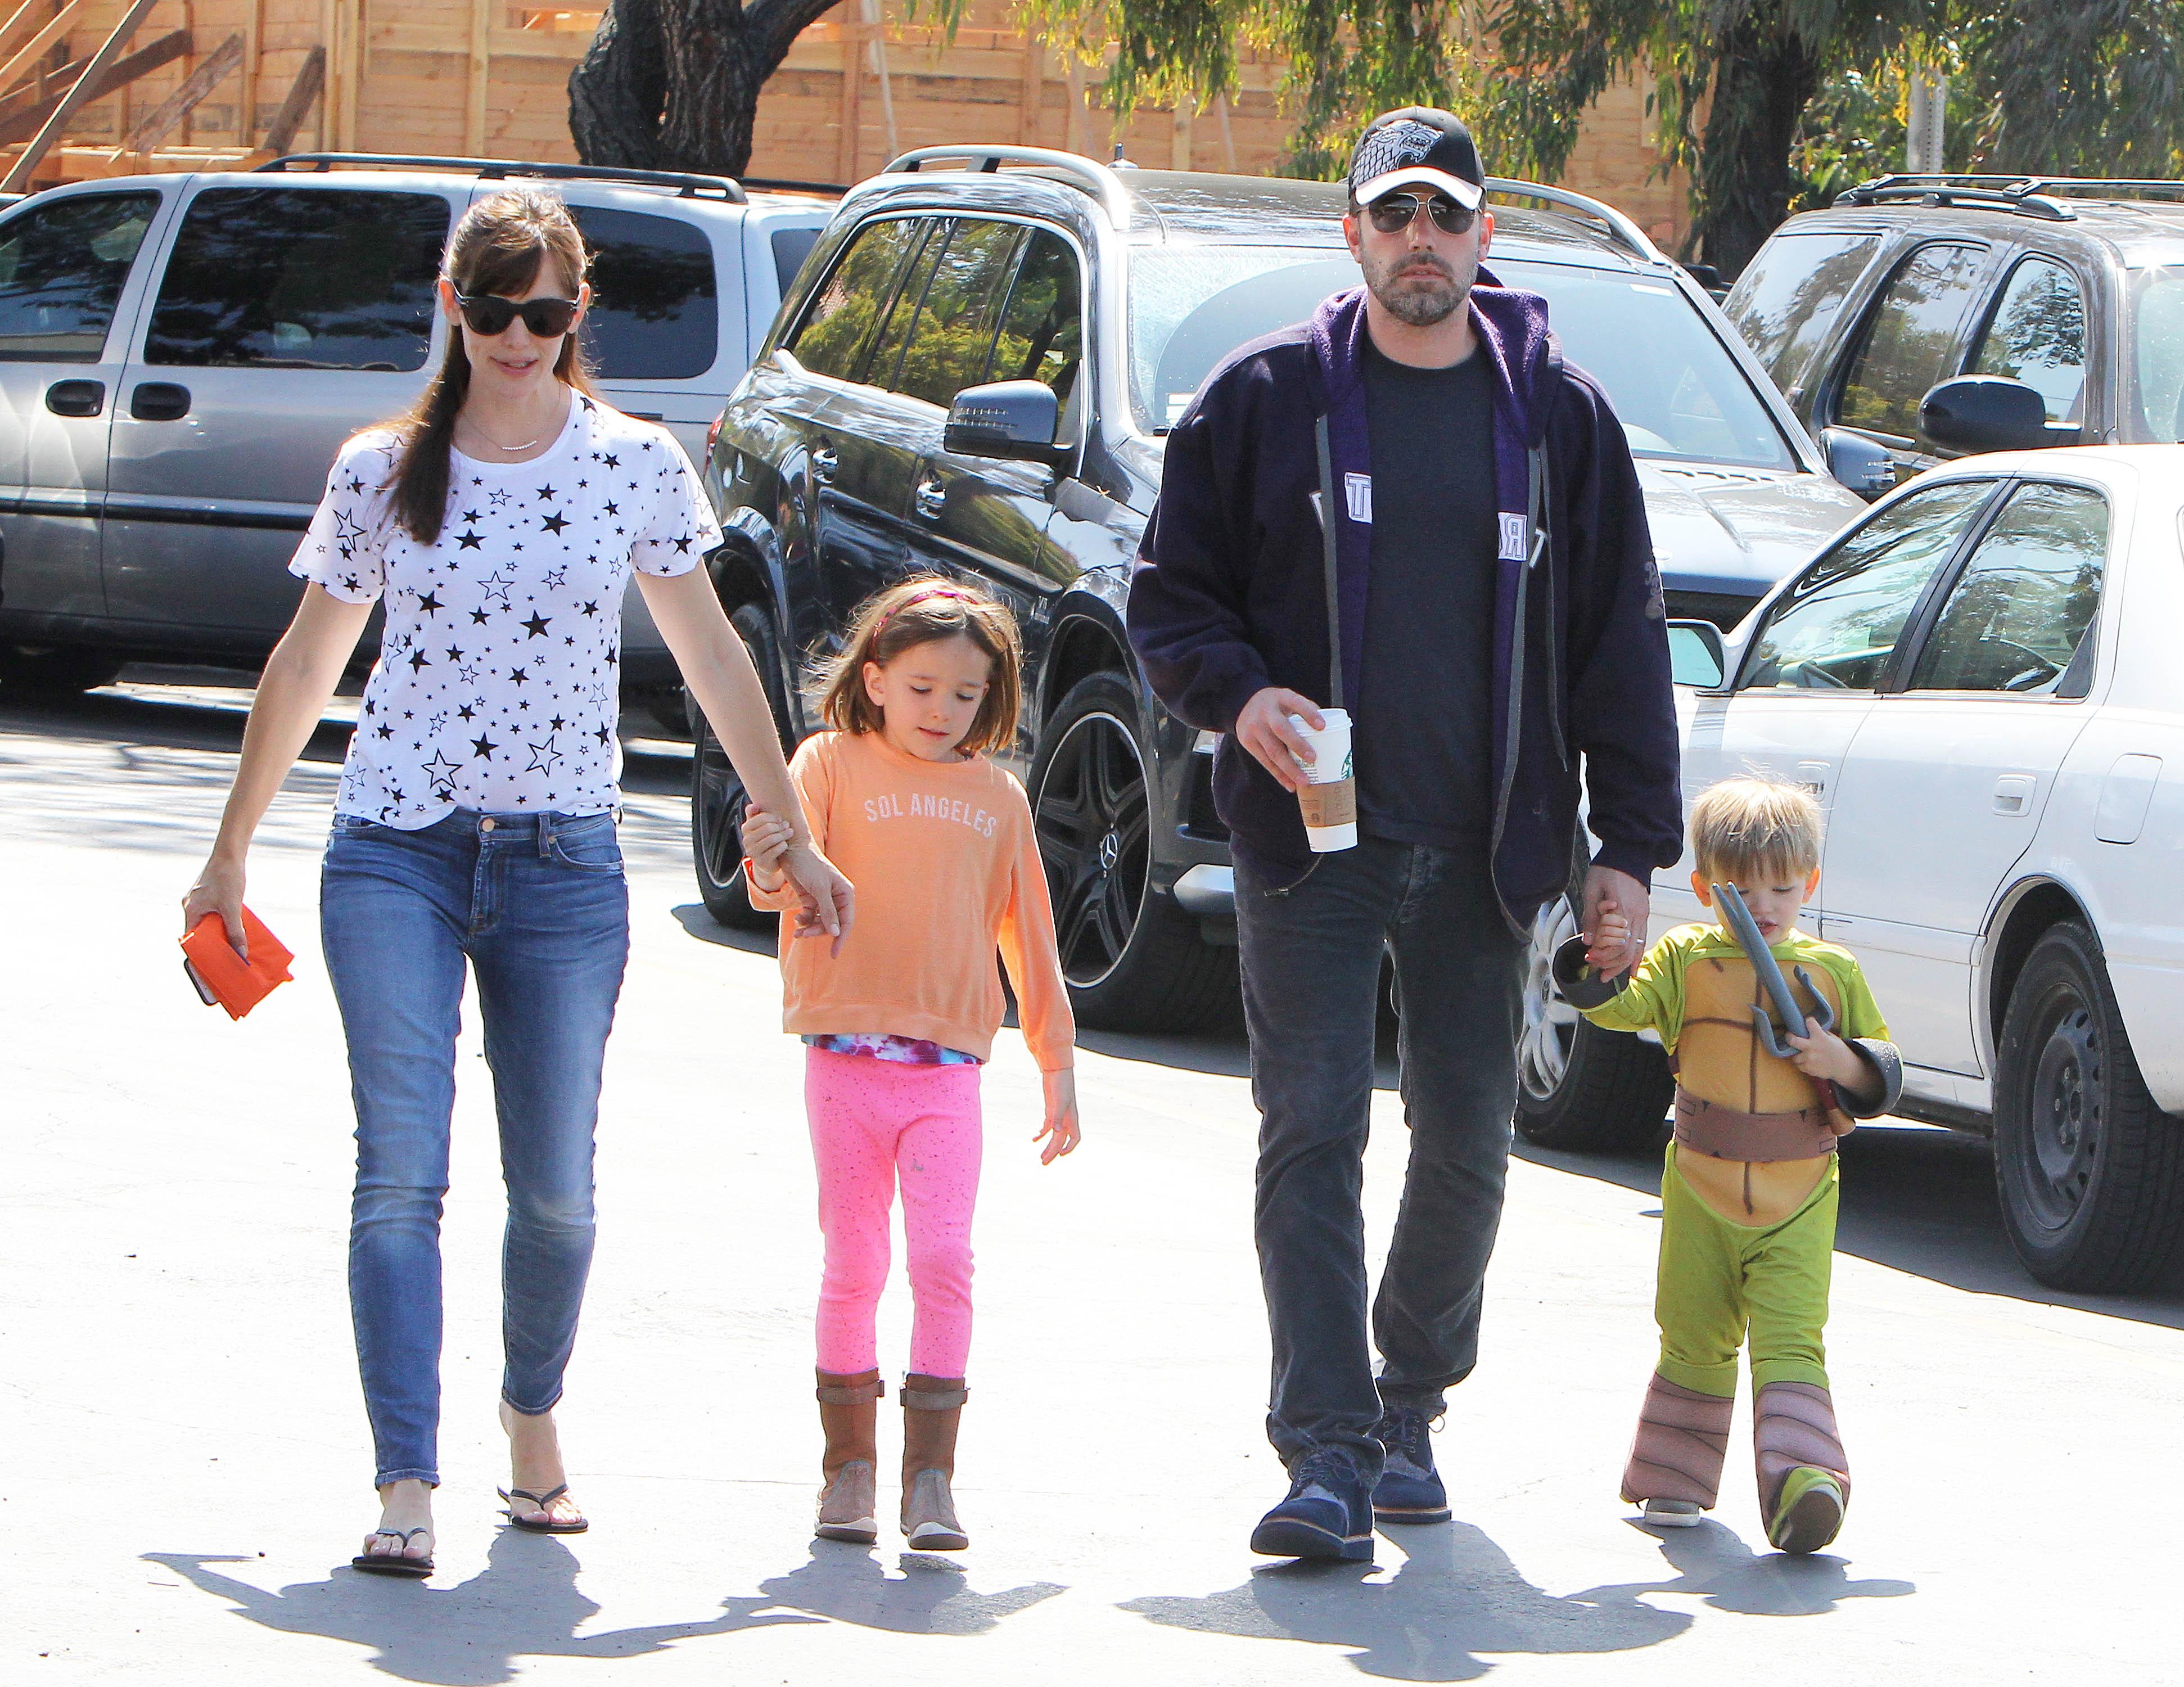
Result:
x=1229 y=595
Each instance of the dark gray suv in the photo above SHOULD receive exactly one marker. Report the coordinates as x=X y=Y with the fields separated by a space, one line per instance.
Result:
x=973 y=374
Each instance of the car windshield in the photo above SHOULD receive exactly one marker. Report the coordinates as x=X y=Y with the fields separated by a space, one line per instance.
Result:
x=2158 y=340
x=1678 y=391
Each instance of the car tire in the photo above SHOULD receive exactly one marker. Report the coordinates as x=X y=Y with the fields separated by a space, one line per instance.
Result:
x=55 y=670
x=1134 y=961
x=2090 y=1172
x=1580 y=1088
x=717 y=797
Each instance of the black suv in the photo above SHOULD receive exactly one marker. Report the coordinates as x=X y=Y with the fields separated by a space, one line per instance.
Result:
x=972 y=373
x=1939 y=316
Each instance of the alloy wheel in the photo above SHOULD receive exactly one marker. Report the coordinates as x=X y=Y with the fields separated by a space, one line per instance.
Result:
x=1550 y=1026
x=1092 y=822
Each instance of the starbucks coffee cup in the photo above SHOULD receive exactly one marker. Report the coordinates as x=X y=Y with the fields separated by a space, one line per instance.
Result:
x=1330 y=802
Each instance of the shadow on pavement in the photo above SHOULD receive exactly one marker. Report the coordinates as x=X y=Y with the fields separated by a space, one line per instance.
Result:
x=1455 y=1597
x=931 y=1595
x=524 y=1604
x=1915 y=1199
x=751 y=940
x=1713 y=1563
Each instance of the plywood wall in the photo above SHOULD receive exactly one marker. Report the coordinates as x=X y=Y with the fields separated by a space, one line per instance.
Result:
x=490 y=77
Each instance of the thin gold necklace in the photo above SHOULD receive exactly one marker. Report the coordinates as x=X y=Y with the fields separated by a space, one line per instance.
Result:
x=481 y=433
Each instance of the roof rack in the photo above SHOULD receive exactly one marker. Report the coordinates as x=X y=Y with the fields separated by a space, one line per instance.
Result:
x=1620 y=229
x=495 y=169
x=2022 y=195
x=1078 y=171
x=2033 y=195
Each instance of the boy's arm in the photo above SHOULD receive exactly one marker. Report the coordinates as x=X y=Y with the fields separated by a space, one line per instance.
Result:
x=1860 y=1025
x=1653 y=997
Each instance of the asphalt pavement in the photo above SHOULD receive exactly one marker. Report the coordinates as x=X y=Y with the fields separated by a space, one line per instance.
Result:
x=185 y=1470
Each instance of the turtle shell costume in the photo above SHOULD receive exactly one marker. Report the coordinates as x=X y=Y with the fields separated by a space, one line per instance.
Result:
x=1748 y=1201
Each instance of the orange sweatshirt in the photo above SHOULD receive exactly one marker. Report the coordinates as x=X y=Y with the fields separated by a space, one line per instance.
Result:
x=946 y=867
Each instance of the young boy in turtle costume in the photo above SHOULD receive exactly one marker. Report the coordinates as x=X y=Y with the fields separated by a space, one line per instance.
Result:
x=1749 y=1192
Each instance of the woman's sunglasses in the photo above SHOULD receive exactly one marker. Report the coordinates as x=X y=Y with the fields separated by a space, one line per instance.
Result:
x=547 y=319
x=1393 y=212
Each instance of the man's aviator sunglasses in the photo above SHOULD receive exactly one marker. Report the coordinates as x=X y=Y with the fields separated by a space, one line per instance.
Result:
x=1393 y=212
x=489 y=314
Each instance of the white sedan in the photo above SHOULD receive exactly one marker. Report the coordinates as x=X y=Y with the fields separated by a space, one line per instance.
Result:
x=1982 y=680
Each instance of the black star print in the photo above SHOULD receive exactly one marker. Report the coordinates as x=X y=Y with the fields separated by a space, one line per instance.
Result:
x=386 y=732
x=467 y=711
x=611 y=460
x=349 y=583
x=547 y=494
x=470 y=515
x=485 y=747
x=556 y=724
x=536 y=626
x=478 y=616
x=454 y=654
x=554 y=524
x=591 y=609
x=683 y=543
x=471 y=542
x=417 y=661
x=518 y=676
x=569 y=639
x=613 y=508
x=600 y=733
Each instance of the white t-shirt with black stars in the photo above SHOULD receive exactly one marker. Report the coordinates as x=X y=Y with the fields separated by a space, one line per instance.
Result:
x=497 y=688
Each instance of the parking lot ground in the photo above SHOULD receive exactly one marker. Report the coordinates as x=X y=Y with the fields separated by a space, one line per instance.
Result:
x=184 y=1469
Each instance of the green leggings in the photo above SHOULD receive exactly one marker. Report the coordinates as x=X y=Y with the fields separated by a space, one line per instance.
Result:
x=1718 y=1279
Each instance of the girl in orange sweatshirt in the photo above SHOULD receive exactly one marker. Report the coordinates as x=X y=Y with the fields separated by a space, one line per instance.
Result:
x=901 y=1013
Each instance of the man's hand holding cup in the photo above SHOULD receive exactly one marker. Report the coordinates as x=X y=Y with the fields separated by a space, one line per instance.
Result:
x=1307 y=750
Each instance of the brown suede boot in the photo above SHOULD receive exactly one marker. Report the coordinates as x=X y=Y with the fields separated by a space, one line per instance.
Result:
x=931 y=1407
x=850 y=1413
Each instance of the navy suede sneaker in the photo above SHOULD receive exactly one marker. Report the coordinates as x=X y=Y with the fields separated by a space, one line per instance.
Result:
x=1329 y=1513
x=1409 y=1490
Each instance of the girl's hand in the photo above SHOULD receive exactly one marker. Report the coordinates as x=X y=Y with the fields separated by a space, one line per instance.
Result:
x=765 y=840
x=219 y=890
x=829 y=899
x=1060 y=1132
x=1822 y=1053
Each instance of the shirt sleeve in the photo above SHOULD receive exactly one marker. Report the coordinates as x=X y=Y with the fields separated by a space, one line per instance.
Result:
x=810 y=771
x=1654 y=996
x=1861 y=1014
x=681 y=527
x=1030 y=953
x=344 y=549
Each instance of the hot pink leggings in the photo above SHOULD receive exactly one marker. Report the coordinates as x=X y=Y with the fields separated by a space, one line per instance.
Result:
x=871 y=1122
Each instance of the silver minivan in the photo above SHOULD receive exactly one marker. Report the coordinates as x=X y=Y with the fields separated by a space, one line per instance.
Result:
x=181 y=355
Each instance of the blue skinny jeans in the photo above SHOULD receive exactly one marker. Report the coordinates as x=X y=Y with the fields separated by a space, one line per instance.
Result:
x=537 y=905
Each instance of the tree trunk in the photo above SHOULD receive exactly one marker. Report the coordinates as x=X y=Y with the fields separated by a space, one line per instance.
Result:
x=1765 y=75
x=674 y=84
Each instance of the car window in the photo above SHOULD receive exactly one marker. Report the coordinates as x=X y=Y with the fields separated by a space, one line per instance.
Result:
x=1042 y=331
x=1787 y=297
x=61 y=269
x=1910 y=339
x=953 y=332
x=886 y=355
x=2037 y=335
x=300 y=278
x=838 y=324
x=656 y=310
x=2157 y=352
x=1837 y=627
x=791 y=247
x=2025 y=600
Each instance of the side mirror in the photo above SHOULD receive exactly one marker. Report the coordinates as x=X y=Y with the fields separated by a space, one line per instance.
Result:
x=1978 y=413
x=1864 y=467
x=1013 y=420
x=1696 y=656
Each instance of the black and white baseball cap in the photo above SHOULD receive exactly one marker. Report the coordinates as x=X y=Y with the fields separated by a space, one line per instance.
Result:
x=1418 y=146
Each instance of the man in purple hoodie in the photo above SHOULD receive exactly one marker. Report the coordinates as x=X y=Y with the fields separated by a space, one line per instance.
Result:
x=1418 y=454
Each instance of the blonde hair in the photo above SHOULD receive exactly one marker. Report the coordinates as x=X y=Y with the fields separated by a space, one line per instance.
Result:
x=924 y=610
x=1756 y=827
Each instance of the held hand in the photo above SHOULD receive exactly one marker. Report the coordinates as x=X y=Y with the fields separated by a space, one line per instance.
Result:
x=829 y=899
x=1613 y=896
x=219 y=890
x=1263 y=728
x=1060 y=1132
x=766 y=838
x=1822 y=1053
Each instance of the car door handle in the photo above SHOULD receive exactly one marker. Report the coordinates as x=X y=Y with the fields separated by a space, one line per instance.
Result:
x=159 y=401
x=2012 y=793
x=76 y=398
x=932 y=498
x=824 y=462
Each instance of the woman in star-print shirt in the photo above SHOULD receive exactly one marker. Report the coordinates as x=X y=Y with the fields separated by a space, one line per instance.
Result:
x=499 y=522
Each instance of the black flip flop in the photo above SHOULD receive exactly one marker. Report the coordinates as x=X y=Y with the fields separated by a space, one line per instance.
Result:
x=394 y=1563
x=543 y=1502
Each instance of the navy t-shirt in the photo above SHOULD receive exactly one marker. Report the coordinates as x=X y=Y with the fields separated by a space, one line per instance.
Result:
x=1422 y=743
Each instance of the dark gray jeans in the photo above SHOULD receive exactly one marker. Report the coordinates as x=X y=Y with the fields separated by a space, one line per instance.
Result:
x=1312 y=969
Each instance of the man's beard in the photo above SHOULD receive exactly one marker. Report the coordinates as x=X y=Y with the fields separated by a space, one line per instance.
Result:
x=1420 y=288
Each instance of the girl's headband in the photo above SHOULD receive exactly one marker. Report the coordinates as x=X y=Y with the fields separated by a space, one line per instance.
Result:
x=921 y=597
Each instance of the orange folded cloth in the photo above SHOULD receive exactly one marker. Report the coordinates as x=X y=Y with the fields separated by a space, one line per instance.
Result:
x=222 y=976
